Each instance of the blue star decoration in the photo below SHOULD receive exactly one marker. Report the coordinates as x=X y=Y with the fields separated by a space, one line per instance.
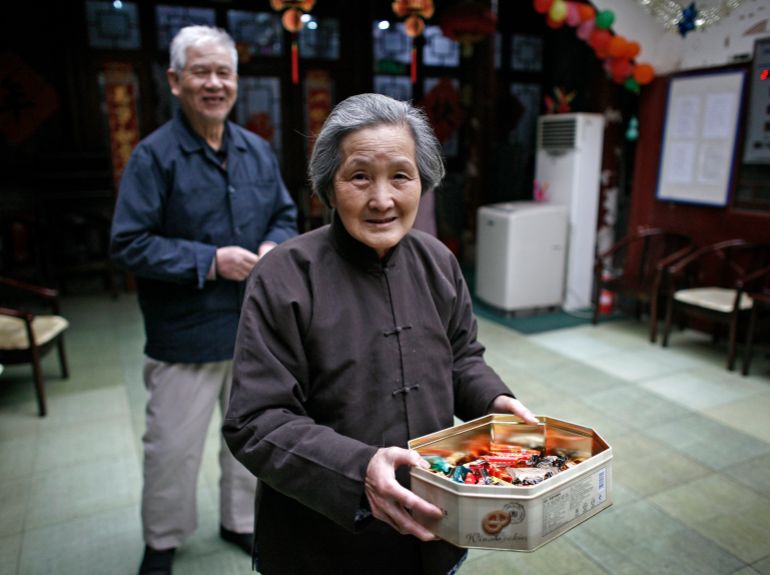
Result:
x=687 y=21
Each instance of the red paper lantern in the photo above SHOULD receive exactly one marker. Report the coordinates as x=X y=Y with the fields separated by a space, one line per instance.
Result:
x=414 y=26
x=543 y=6
x=292 y=20
x=468 y=23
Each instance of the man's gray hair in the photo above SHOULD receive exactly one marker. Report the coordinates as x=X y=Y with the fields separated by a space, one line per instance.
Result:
x=368 y=111
x=196 y=37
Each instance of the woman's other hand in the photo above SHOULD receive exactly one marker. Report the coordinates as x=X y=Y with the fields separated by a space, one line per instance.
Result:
x=390 y=501
x=507 y=404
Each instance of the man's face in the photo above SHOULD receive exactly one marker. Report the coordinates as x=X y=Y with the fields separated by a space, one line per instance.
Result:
x=207 y=87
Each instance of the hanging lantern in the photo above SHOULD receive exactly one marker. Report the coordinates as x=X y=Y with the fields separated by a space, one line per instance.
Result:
x=468 y=23
x=293 y=10
x=414 y=11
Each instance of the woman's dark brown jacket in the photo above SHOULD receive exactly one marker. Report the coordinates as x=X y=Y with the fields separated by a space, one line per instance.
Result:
x=340 y=353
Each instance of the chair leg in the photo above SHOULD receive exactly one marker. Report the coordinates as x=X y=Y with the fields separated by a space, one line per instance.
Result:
x=731 y=343
x=749 y=341
x=37 y=371
x=667 y=325
x=653 y=320
x=65 y=372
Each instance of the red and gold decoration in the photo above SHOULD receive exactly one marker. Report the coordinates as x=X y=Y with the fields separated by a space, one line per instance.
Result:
x=415 y=13
x=560 y=103
x=318 y=91
x=319 y=102
x=293 y=10
x=120 y=97
x=468 y=23
x=595 y=28
x=442 y=105
x=27 y=100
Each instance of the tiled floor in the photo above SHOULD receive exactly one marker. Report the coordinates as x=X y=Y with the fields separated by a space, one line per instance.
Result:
x=691 y=446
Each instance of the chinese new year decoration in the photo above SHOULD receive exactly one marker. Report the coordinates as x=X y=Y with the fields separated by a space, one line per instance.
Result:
x=594 y=28
x=120 y=96
x=27 y=100
x=442 y=105
x=560 y=103
x=414 y=11
x=468 y=23
x=293 y=10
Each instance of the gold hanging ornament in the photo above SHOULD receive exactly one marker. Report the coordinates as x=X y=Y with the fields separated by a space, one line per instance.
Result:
x=414 y=11
x=293 y=10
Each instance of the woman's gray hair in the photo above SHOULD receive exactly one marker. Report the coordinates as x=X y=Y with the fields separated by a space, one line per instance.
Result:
x=367 y=111
x=196 y=37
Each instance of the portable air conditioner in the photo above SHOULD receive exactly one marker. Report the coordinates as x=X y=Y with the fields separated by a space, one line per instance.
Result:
x=520 y=250
x=567 y=168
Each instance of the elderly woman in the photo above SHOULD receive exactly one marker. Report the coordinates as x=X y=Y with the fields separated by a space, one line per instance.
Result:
x=354 y=338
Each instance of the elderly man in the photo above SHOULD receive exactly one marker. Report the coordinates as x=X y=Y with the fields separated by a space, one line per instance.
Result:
x=200 y=202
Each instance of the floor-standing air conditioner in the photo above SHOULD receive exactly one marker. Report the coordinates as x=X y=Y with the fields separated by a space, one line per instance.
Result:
x=520 y=253
x=567 y=168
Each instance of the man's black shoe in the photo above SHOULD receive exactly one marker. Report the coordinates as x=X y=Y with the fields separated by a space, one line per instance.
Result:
x=242 y=540
x=157 y=561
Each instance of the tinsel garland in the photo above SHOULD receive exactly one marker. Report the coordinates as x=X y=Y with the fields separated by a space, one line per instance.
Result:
x=669 y=12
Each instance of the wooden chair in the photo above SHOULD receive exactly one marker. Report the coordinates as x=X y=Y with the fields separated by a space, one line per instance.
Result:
x=26 y=337
x=760 y=311
x=634 y=268
x=712 y=283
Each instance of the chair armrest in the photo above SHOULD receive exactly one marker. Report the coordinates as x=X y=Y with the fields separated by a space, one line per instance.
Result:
x=747 y=280
x=49 y=295
x=26 y=316
x=43 y=292
x=674 y=257
x=623 y=242
x=678 y=266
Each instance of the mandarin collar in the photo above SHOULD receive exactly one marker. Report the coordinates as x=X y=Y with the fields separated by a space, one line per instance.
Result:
x=191 y=141
x=358 y=253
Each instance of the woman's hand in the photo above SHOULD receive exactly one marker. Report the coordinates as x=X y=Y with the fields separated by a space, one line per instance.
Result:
x=392 y=503
x=507 y=404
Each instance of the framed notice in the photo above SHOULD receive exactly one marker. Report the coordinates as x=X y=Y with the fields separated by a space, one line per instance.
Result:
x=699 y=136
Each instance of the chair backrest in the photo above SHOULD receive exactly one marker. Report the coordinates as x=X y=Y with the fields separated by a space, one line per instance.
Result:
x=720 y=264
x=639 y=253
x=656 y=247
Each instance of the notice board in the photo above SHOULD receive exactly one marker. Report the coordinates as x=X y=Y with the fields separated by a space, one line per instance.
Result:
x=699 y=137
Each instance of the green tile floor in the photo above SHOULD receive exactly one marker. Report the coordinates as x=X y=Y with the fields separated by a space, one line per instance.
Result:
x=691 y=447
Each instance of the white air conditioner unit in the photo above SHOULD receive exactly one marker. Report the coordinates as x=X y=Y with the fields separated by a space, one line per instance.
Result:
x=568 y=166
x=520 y=253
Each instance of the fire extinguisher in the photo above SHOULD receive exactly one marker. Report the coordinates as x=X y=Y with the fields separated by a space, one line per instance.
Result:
x=606 y=297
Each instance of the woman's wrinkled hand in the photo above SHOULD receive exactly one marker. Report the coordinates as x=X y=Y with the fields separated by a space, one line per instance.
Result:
x=507 y=404
x=391 y=502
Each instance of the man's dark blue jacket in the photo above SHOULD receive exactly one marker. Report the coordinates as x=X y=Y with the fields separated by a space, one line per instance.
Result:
x=176 y=205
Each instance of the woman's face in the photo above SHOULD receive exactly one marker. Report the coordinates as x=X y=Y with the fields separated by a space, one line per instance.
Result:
x=377 y=186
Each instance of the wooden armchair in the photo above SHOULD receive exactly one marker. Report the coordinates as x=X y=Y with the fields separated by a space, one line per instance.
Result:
x=634 y=268
x=25 y=337
x=759 y=283
x=712 y=283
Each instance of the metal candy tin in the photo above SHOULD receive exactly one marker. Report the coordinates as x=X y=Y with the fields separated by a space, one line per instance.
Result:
x=516 y=518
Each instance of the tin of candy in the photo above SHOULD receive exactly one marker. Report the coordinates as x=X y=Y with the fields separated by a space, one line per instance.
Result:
x=506 y=484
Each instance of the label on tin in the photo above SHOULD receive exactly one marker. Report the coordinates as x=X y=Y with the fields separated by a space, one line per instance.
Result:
x=574 y=500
